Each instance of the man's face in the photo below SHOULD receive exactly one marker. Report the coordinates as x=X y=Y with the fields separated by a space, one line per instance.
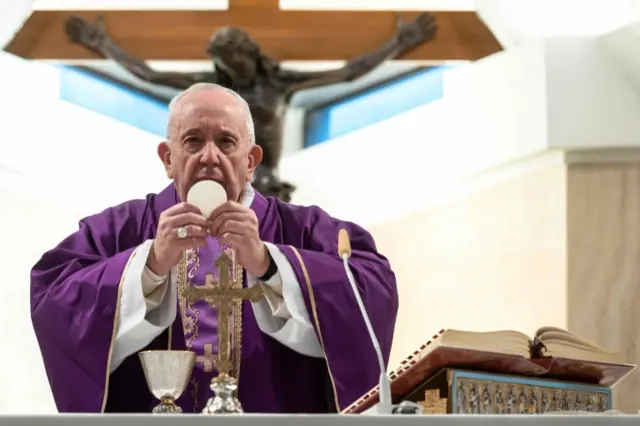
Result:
x=209 y=140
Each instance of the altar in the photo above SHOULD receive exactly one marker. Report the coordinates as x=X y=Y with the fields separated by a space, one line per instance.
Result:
x=320 y=420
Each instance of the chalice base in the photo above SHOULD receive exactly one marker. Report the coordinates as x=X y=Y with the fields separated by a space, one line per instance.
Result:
x=223 y=400
x=167 y=406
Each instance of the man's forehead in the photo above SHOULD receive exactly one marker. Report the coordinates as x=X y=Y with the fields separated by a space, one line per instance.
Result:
x=198 y=109
x=193 y=111
x=210 y=101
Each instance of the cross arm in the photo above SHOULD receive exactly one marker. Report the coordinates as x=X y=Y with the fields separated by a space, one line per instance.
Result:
x=213 y=295
x=301 y=36
x=144 y=72
x=94 y=37
x=353 y=69
x=408 y=36
x=194 y=293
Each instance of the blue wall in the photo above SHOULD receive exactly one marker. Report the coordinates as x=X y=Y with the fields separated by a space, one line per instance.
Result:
x=119 y=102
x=364 y=109
x=373 y=106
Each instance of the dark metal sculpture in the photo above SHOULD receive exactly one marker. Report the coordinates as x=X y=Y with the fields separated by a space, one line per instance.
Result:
x=242 y=66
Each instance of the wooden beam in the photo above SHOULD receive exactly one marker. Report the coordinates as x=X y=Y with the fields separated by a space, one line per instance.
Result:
x=282 y=34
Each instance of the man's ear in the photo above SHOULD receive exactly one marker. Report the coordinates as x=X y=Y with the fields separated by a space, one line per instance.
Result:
x=255 y=157
x=164 y=153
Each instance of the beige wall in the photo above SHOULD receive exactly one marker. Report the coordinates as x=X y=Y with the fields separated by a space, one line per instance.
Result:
x=552 y=245
x=603 y=286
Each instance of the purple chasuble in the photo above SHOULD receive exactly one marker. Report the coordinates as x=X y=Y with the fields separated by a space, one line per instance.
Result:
x=75 y=293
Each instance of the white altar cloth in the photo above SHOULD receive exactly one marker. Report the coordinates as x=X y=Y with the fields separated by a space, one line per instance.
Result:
x=319 y=420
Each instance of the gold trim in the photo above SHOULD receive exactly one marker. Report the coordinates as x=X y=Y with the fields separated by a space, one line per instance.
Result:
x=314 y=309
x=190 y=327
x=194 y=394
x=236 y=309
x=236 y=349
x=116 y=323
x=190 y=323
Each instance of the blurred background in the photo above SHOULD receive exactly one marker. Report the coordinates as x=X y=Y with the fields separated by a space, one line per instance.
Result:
x=497 y=163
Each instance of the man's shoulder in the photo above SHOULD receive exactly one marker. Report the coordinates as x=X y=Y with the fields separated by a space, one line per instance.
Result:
x=126 y=208
x=311 y=217
x=298 y=212
x=313 y=227
x=138 y=212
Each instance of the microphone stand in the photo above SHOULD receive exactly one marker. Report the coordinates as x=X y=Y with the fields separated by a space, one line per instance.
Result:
x=385 y=404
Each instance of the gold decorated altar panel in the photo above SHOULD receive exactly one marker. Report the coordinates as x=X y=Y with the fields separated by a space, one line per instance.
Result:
x=454 y=391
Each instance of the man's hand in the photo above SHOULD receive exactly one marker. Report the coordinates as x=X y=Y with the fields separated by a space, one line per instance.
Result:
x=421 y=30
x=168 y=246
x=237 y=226
x=89 y=35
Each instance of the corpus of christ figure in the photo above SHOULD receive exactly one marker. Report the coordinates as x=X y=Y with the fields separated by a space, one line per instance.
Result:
x=240 y=64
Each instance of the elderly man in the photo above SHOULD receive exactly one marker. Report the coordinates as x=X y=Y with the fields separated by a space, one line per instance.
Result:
x=116 y=286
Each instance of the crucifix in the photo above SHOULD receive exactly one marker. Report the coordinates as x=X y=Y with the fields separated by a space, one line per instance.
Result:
x=245 y=59
x=246 y=43
x=221 y=294
x=241 y=63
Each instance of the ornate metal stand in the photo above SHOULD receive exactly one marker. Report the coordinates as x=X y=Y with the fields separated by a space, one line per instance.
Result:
x=167 y=406
x=223 y=400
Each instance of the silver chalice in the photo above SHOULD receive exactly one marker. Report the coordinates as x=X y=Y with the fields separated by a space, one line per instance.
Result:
x=167 y=374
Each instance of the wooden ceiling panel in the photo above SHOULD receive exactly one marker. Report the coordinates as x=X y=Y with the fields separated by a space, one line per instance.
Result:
x=283 y=34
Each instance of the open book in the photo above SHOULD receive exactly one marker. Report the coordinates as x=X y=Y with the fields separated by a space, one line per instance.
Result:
x=547 y=342
x=551 y=353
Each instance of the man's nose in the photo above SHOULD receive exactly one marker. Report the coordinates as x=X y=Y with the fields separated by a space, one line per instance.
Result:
x=210 y=154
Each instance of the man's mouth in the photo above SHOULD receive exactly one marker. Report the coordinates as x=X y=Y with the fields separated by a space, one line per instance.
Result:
x=206 y=178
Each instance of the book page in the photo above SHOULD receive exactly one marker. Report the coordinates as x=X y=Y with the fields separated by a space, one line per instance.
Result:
x=507 y=342
x=546 y=334
x=561 y=343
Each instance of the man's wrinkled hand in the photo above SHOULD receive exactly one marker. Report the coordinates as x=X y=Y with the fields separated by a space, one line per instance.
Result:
x=236 y=225
x=168 y=246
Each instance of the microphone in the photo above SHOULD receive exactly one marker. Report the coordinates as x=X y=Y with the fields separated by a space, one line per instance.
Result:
x=385 y=404
x=344 y=245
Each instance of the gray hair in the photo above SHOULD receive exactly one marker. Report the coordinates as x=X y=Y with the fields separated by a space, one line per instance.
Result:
x=199 y=87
